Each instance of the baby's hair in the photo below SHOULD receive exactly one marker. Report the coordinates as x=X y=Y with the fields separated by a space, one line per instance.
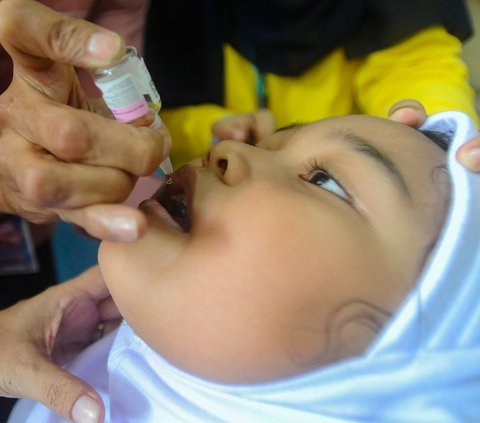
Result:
x=441 y=139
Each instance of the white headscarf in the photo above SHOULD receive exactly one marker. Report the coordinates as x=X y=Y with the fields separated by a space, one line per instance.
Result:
x=424 y=367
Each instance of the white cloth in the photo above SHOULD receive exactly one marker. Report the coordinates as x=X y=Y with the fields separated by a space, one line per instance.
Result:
x=424 y=367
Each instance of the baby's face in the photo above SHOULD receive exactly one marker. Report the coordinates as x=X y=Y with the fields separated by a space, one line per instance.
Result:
x=289 y=255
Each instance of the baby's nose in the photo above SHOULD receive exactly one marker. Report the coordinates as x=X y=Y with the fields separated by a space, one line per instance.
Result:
x=228 y=161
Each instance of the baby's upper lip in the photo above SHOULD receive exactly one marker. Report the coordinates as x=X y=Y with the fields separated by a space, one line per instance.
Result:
x=177 y=197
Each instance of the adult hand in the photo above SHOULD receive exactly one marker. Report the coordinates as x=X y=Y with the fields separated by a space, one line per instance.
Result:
x=57 y=158
x=51 y=328
x=412 y=113
x=248 y=127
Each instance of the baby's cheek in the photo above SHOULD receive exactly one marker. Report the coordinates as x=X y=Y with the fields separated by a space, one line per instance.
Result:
x=107 y=261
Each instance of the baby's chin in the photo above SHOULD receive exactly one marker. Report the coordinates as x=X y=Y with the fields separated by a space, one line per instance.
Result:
x=111 y=260
x=119 y=275
x=105 y=251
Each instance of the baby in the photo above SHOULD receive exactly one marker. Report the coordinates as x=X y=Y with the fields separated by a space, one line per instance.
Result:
x=264 y=262
x=266 y=270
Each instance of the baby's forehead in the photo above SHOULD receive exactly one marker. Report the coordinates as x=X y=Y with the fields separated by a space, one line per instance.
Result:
x=376 y=131
x=366 y=125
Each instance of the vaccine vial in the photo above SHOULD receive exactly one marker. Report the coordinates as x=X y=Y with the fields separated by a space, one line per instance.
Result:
x=129 y=92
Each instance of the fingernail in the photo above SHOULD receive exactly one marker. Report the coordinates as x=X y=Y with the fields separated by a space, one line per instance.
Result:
x=397 y=114
x=238 y=135
x=86 y=410
x=124 y=229
x=474 y=157
x=104 y=45
x=407 y=116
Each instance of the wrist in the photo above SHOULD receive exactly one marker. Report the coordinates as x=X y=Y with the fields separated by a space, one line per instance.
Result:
x=4 y=206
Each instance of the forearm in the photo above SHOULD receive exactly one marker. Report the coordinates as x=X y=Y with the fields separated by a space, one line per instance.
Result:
x=427 y=67
x=4 y=207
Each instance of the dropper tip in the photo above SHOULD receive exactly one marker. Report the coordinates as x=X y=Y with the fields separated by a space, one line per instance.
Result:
x=168 y=178
x=167 y=170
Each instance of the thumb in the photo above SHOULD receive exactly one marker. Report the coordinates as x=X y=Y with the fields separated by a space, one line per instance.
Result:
x=409 y=112
x=32 y=32
x=110 y=222
x=66 y=395
x=469 y=154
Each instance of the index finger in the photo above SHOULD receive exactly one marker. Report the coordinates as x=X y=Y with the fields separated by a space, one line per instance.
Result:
x=34 y=35
x=81 y=136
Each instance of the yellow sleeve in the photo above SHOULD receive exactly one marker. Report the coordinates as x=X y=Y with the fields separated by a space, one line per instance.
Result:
x=191 y=130
x=427 y=67
x=191 y=126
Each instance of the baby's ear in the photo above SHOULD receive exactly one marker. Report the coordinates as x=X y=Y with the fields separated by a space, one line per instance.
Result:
x=354 y=338
x=353 y=328
x=409 y=112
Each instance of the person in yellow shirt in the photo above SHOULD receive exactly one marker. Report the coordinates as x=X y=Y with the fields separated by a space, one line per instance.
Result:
x=55 y=44
x=216 y=67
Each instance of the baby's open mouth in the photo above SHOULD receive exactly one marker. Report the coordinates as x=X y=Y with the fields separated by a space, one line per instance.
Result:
x=175 y=200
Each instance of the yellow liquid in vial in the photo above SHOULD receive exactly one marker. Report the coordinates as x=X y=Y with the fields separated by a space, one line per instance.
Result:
x=143 y=121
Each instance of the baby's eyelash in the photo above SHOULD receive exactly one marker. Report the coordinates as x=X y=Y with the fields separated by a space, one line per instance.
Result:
x=313 y=166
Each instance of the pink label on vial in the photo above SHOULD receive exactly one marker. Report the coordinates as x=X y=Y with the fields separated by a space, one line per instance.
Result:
x=131 y=112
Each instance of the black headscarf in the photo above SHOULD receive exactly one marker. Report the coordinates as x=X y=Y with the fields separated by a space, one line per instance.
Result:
x=184 y=38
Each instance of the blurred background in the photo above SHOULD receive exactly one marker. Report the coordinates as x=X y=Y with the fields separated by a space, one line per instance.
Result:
x=472 y=50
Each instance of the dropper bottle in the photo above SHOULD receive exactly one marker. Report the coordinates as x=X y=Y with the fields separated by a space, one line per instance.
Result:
x=129 y=92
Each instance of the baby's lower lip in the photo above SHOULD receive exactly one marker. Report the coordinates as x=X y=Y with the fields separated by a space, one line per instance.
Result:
x=154 y=209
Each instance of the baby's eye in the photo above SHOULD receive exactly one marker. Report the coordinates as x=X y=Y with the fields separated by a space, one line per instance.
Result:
x=326 y=181
x=323 y=179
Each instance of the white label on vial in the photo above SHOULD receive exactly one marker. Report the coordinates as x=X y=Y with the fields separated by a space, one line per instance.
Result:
x=146 y=84
x=123 y=98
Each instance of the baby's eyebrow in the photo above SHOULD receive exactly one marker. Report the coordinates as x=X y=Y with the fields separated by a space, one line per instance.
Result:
x=363 y=146
x=292 y=125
